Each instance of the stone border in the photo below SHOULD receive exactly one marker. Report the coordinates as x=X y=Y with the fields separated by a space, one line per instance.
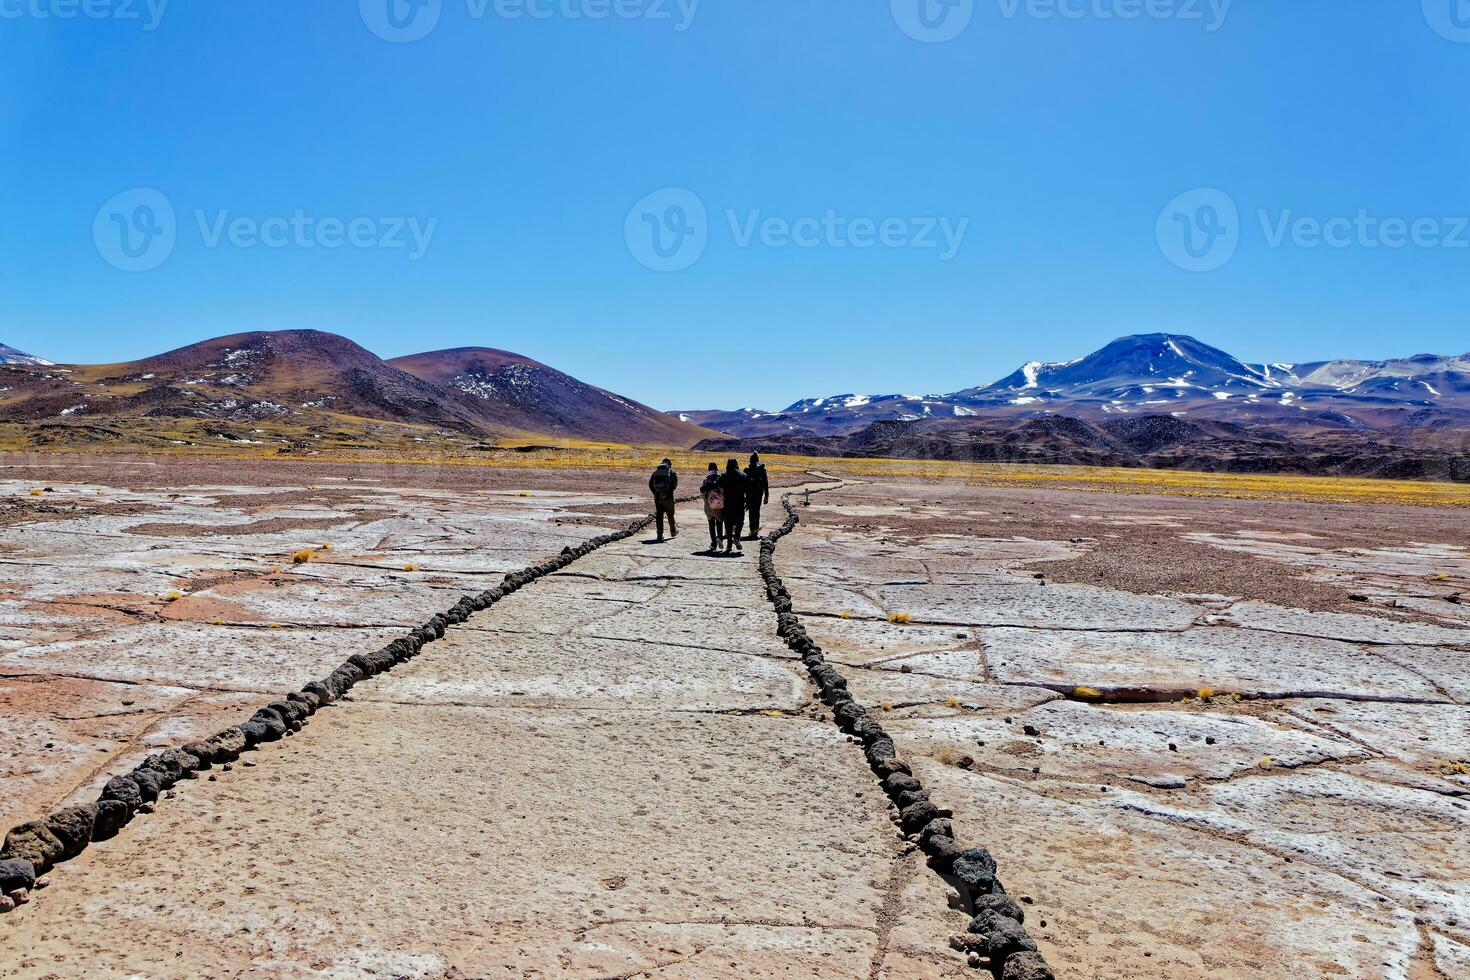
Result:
x=34 y=848
x=997 y=936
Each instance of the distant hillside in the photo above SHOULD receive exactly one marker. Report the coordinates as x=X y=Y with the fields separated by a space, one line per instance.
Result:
x=1152 y=374
x=1157 y=441
x=9 y=355
x=320 y=380
x=510 y=390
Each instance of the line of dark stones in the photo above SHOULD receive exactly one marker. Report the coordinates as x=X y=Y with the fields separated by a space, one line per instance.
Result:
x=996 y=937
x=32 y=849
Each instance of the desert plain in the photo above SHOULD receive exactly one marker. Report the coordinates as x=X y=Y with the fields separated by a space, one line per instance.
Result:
x=1207 y=726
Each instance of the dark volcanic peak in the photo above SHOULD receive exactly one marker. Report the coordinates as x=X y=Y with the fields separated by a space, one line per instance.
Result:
x=527 y=395
x=1159 y=374
x=315 y=378
x=1155 y=360
x=9 y=355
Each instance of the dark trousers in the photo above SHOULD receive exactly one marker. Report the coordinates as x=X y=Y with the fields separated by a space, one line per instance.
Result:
x=664 y=506
x=734 y=524
x=755 y=517
x=716 y=532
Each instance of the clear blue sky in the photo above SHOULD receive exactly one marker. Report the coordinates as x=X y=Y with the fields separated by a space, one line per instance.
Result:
x=528 y=141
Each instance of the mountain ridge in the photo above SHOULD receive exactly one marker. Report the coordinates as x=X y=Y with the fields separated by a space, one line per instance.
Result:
x=1157 y=373
x=318 y=380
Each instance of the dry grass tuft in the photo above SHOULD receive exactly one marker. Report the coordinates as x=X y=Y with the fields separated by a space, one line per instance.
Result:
x=845 y=614
x=1087 y=693
x=1206 y=692
x=900 y=618
x=952 y=701
x=303 y=556
x=409 y=566
x=38 y=493
x=948 y=757
x=173 y=597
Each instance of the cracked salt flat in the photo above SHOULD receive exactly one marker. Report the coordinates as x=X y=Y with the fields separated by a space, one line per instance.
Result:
x=84 y=603
x=1127 y=847
x=1220 y=658
x=1341 y=626
x=609 y=821
x=1083 y=742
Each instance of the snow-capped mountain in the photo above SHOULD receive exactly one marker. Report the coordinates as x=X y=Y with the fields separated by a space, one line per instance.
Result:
x=9 y=355
x=1162 y=374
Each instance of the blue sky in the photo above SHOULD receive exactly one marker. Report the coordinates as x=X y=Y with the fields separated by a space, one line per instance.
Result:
x=520 y=145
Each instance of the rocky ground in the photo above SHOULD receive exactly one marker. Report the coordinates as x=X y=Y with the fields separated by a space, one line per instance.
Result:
x=1203 y=738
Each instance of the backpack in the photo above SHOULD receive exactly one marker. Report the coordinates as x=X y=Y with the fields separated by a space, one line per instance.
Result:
x=661 y=482
x=715 y=502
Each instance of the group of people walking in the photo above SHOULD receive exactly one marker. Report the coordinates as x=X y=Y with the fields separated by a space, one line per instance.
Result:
x=729 y=498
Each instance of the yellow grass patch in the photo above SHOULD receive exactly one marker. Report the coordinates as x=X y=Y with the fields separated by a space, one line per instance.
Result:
x=900 y=618
x=173 y=597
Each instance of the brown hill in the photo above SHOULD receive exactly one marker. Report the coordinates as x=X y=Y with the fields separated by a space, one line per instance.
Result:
x=513 y=390
x=247 y=377
x=313 y=379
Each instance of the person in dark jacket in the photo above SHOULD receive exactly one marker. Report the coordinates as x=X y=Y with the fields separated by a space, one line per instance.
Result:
x=663 y=483
x=757 y=492
x=714 y=506
x=732 y=484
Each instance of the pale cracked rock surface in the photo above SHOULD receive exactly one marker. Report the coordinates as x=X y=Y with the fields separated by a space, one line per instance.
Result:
x=614 y=772
x=1284 y=790
x=1215 y=738
x=141 y=614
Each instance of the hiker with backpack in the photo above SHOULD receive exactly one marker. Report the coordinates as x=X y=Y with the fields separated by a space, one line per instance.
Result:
x=733 y=485
x=663 y=483
x=714 y=506
x=757 y=492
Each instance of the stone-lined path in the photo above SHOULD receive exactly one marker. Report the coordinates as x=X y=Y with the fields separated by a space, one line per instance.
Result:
x=616 y=771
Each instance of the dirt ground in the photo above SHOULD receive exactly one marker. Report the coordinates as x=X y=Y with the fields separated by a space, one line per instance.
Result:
x=1203 y=737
